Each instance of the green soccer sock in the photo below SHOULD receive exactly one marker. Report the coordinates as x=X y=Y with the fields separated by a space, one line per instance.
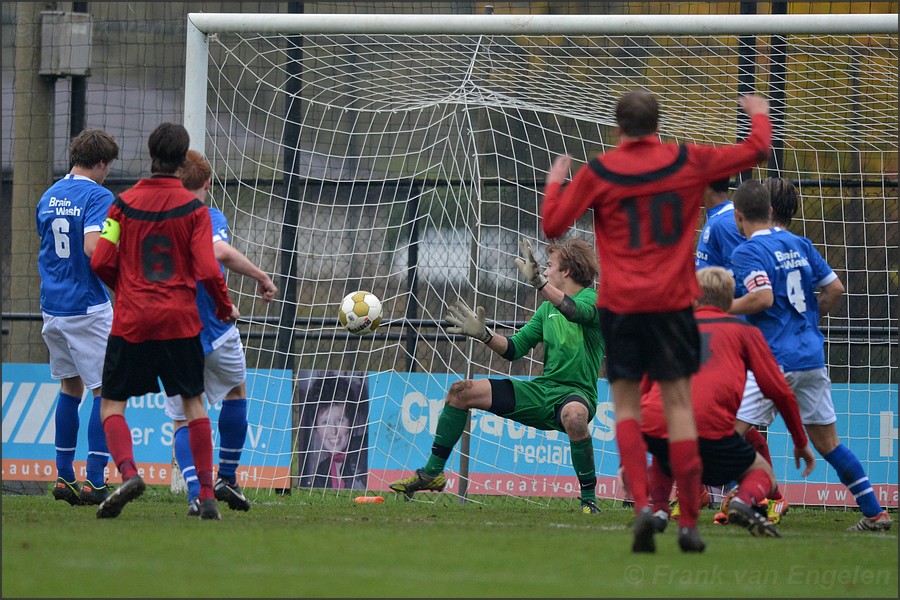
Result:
x=583 y=463
x=450 y=426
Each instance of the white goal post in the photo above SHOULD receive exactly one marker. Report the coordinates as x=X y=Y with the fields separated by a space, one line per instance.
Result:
x=405 y=154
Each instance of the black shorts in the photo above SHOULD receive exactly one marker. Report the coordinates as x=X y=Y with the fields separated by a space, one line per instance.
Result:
x=665 y=346
x=724 y=460
x=134 y=369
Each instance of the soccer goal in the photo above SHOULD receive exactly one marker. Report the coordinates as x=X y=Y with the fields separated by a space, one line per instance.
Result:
x=405 y=155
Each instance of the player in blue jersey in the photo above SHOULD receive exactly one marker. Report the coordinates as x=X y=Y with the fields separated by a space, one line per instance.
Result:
x=780 y=273
x=75 y=306
x=225 y=370
x=720 y=235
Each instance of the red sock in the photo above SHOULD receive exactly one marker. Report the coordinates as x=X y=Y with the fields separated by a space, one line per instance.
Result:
x=687 y=469
x=633 y=455
x=200 y=436
x=660 y=486
x=118 y=440
x=754 y=487
x=756 y=439
x=776 y=495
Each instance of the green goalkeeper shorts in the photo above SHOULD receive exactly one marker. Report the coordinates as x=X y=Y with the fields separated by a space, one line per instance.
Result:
x=538 y=403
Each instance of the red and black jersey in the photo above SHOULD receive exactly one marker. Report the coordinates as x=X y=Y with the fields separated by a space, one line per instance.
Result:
x=646 y=197
x=730 y=347
x=164 y=248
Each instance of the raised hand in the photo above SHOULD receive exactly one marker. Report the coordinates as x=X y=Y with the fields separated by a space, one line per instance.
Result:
x=529 y=266
x=467 y=322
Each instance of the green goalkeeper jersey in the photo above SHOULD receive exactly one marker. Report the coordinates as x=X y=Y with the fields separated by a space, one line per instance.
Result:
x=573 y=350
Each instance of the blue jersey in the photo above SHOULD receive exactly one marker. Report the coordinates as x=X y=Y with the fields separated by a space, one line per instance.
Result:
x=70 y=208
x=213 y=328
x=792 y=268
x=719 y=238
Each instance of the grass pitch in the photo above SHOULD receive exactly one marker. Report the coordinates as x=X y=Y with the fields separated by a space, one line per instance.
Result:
x=306 y=545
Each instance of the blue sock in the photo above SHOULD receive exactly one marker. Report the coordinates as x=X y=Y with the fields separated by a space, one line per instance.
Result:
x=232 y=433
x=98 y=453
x=185 y=460
x=854 y=477
x=66 y=435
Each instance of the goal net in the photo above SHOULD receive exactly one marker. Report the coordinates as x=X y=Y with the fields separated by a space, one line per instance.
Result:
x=405 y=155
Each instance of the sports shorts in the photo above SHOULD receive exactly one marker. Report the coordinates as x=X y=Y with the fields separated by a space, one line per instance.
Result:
x=535 y=404
x=77 y=345
x=724 y=460
x=134 y=369
x=813 y=391
x=665 y=346
x=225 y=369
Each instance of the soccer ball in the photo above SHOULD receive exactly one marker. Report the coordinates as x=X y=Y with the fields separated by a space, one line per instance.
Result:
x=360 y=312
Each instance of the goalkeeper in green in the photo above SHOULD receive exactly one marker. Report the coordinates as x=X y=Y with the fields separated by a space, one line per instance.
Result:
x=563 y=397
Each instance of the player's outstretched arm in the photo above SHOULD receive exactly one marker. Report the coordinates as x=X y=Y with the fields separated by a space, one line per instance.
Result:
x=235 y=261
x=471 y=323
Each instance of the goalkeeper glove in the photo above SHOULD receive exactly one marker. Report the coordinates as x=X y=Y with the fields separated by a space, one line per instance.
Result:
x=529 y=267
x=468 y=323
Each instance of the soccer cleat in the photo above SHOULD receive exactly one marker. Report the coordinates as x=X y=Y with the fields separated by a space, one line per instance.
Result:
x=674 y=509
x=63 y=490
x=589 y=507
x=128 y=491
x=231 y=494
x=880 y=522
x=209 y=511
x=419 y=481
x=93 y=495
x=720 y=519
x=643 y=532
x=689 y=540
x=740 y=513
x=660 y=521
x=194 y=508
x=776 y=510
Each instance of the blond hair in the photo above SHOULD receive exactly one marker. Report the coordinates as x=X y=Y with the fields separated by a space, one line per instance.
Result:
x=716 y=287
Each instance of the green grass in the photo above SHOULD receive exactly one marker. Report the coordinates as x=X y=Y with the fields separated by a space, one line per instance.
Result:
x=312 y=546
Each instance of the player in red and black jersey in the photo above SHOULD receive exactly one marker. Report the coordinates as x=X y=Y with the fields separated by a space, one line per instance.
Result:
x=730 y=347
x=646 y=197
x=156 y=244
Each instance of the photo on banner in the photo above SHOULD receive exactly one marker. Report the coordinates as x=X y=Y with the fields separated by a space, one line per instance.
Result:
x=333 y=436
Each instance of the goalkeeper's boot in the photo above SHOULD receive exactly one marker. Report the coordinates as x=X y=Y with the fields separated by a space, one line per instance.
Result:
x=418 y=482
x=643 y=532
x=92 y=494
x=194 y=508
x=776 y=510
x=740 y=513
x=231 y=494
x=880 y=522
x=128 y=491
x=209 y=510
x=689 y=540
x=589 y=507
x=721 y=517
x=67 y=491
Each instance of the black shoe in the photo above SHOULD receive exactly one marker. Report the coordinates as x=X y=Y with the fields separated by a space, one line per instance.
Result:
x=230 y=493
x=643 y=532
x=67 y=492
x=194 y=508
x=660 y=521
x=689 y=540
x=93 y=495
x=740 y=513
x=128 y=491
x=589 y=507
x=209 y=510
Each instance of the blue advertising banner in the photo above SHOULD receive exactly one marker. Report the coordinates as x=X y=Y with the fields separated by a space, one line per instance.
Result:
x=29 y=402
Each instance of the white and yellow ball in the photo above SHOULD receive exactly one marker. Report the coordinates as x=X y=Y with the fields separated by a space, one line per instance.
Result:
x=360 y=312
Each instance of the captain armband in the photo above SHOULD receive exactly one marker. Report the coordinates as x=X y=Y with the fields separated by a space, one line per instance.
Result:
x=111 y=231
